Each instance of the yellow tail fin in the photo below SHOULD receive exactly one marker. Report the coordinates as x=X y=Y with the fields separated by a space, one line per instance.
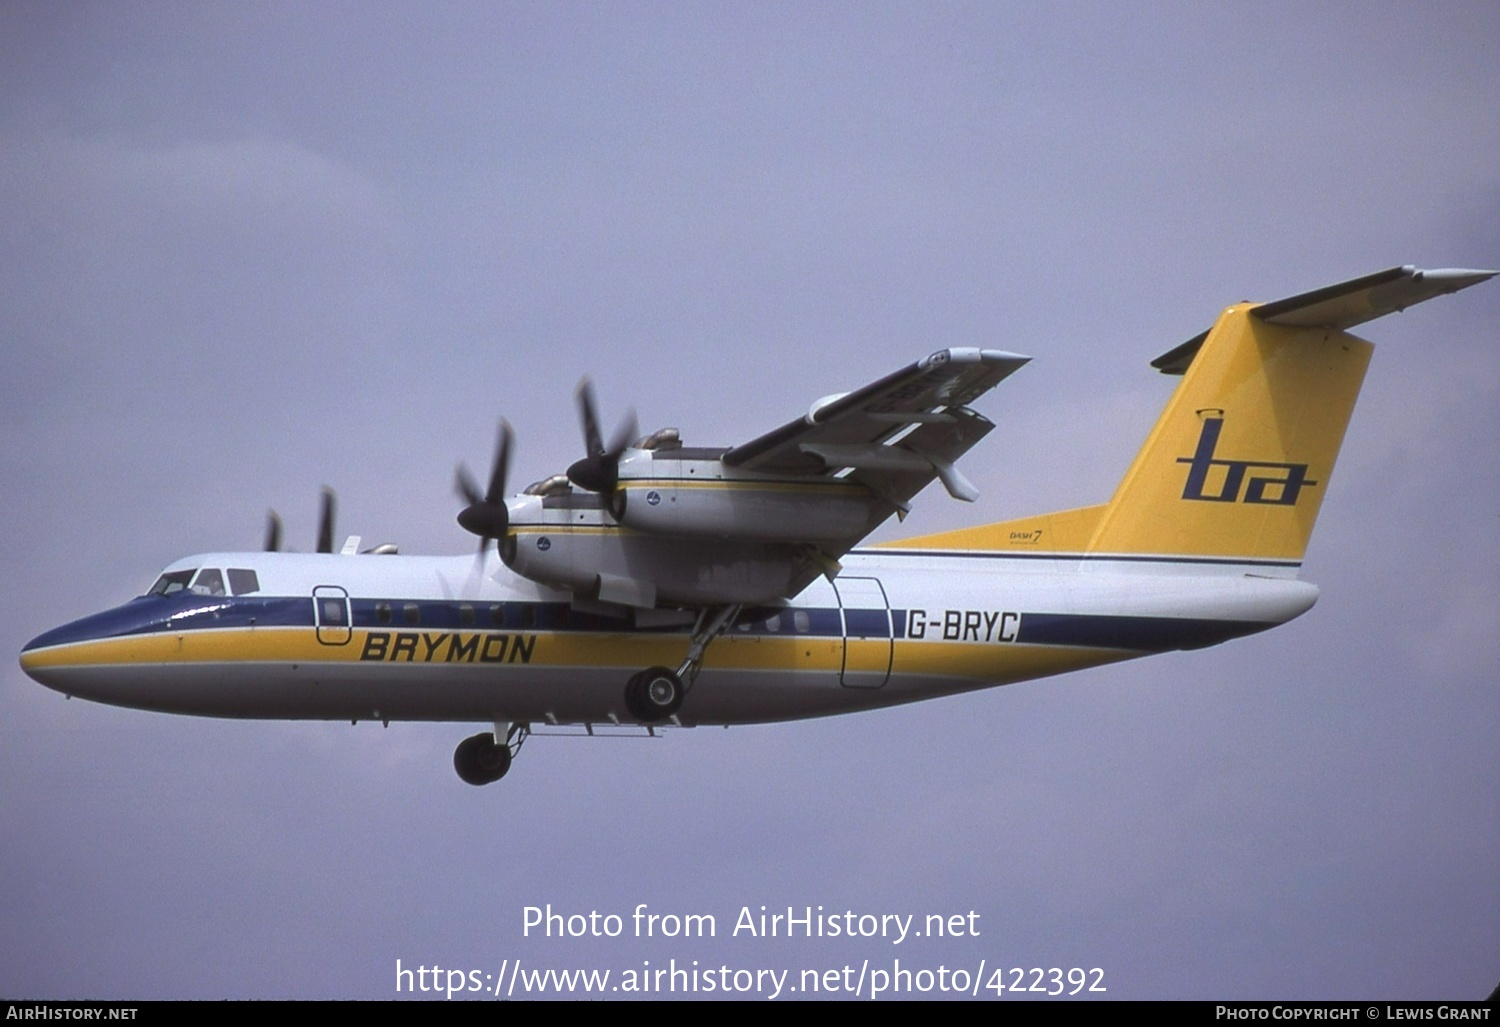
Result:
x=1239 y=461
x=1237 y=466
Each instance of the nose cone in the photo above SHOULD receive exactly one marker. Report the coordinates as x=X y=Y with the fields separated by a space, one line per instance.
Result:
x=44 y=659
x=62 y=658
x=30 y=662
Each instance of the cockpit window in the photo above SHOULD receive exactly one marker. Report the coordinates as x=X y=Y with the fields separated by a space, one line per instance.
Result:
x=172 y=582
x=209 y=582
x=243 y=581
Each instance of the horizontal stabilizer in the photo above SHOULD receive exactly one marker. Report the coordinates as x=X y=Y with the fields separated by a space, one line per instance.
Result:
x=1365 y=299
x=1345 y=305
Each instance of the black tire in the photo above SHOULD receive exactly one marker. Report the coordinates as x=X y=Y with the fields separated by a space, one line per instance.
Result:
x=479 y=761
x=653 y=695
x=634 y=702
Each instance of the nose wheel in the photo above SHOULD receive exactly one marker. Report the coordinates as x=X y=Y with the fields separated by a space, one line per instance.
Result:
x=481 y=759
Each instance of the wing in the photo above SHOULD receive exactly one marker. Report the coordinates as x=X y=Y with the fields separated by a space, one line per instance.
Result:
x=894 y=435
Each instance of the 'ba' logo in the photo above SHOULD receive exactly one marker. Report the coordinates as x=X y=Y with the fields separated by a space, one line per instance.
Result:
x=1276 y=484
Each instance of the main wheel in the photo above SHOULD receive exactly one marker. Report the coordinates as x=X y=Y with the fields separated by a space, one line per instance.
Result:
x=653 y=695
x=479 y=761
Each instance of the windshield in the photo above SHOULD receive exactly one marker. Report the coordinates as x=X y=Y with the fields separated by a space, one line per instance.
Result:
x=174 y=581
x=209 y=582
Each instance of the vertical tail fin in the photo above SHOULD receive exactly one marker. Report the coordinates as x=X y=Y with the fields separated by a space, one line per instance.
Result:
x=1239 y=461
x=1237 y=465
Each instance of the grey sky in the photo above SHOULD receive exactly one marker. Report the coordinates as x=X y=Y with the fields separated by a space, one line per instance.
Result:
x=250 y=249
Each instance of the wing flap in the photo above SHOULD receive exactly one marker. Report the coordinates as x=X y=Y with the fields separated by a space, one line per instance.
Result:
x=932 y=450
x=845 y=431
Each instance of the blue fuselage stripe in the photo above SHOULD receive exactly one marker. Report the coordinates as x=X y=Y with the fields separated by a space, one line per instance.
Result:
x=154 y=614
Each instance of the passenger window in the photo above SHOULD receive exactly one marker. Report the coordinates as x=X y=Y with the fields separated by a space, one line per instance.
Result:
x=802 y=622
x=411 y=613
x=465 y=614
x=243 y=581
x=773 y=623
x=209 y=582
x=383 y=612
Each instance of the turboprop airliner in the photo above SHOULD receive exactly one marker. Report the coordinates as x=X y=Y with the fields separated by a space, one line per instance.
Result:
x=659 y=584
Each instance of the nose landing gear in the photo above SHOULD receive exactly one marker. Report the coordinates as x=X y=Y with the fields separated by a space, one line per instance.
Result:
x=482 y=759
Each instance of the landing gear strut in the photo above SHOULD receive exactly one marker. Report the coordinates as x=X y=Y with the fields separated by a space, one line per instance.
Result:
x=655 y=694
x=483 y=759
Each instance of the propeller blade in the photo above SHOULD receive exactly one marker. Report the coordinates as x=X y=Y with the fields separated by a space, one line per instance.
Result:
x=486 y=515
x=273 y=532
x=625 y=434
x=593 y=442
x=501 y=467
x=463 y=484
x=325 y=521
x=599 y=470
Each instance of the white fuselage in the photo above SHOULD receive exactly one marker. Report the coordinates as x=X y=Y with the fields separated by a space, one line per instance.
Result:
x=454 y=639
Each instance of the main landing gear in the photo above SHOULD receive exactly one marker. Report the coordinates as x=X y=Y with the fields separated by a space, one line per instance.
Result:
x=655 y=694
x=651 y=696
x=483 y=759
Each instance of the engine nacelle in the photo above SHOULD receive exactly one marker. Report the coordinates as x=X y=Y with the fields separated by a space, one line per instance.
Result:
x=617 y=565
x=701 y=499
x=829 y=511
x=574 y=544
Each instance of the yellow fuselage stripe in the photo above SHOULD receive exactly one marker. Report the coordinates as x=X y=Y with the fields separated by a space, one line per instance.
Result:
x=981 y=662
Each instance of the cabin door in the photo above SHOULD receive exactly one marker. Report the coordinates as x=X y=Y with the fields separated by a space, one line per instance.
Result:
x=867 y=632
x=331 y=615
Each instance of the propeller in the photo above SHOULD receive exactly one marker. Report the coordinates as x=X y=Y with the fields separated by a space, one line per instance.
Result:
x=325 y=525
x=486 y=515
x=325 y=522
x=600 y=470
